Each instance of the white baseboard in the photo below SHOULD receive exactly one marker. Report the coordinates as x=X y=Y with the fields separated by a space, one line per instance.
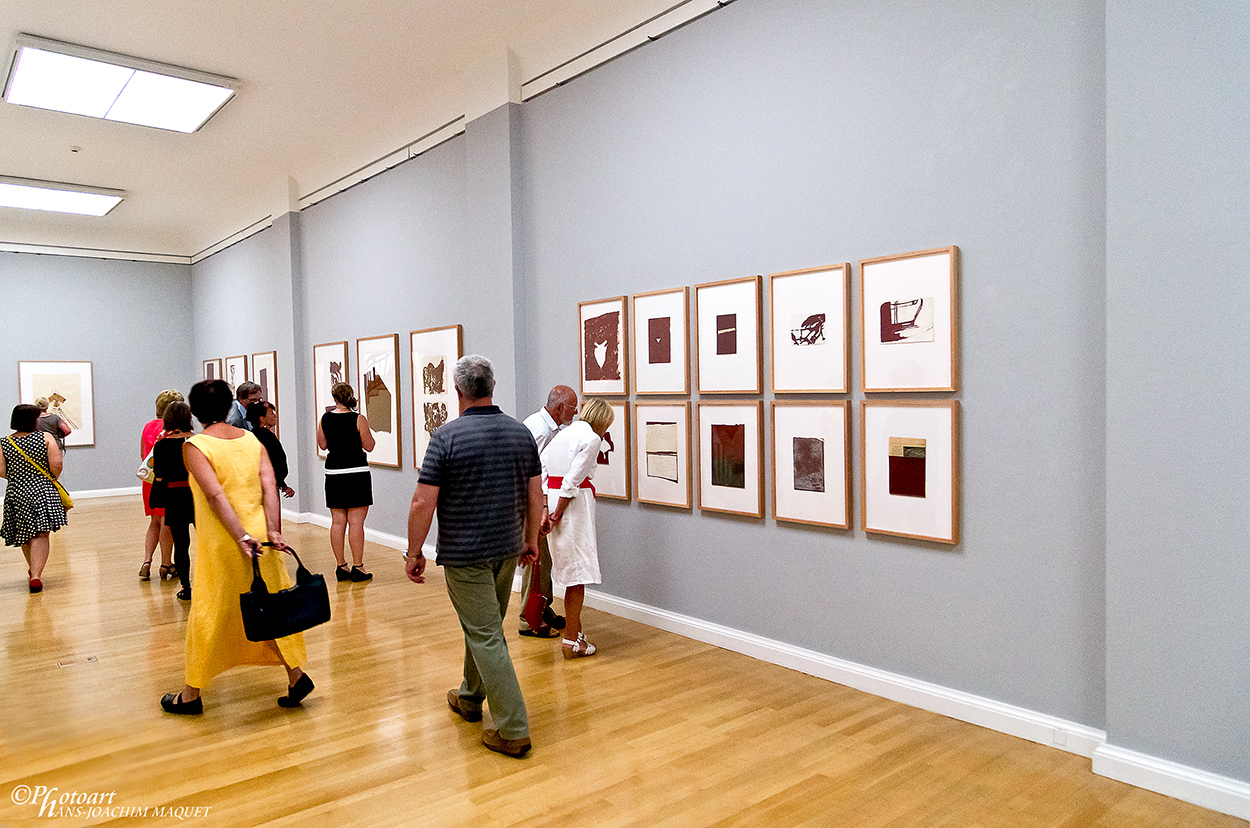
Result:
x=1209 y=790
x=380 y=538
x=88 y=494
x=1005 y=718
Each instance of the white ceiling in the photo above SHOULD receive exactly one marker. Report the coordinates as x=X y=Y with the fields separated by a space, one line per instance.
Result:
x=326 y=86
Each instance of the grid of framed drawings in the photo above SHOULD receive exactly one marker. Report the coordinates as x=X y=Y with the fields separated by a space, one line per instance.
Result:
x=434 y=354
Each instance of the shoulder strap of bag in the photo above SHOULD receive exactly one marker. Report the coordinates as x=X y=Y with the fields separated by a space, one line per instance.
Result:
x=30 y=460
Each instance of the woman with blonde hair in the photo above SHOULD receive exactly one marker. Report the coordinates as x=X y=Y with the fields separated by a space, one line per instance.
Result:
x=157 y=533
x=569 y=463
x=344 y=435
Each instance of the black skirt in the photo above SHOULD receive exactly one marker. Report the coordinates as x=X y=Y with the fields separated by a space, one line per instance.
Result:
x=349 y=491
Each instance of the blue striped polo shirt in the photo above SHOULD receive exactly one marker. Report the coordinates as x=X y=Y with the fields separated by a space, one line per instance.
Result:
x=482 y=463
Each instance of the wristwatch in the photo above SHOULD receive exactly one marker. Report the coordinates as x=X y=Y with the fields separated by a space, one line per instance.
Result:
x=247 y=538
x=415 y=557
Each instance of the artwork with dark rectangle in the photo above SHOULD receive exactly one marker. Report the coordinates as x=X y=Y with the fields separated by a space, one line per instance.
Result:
x=907 y=466
x=602 y=344
x=660 y=340
x=435 y=416
x=661 y=444
x=262 y=379
x=377 y=402
x=808 y=331
x=727 y=333
x=432 y=377
x=908 y=320
x=809 y=464
x=606 y=446
x=729 y=456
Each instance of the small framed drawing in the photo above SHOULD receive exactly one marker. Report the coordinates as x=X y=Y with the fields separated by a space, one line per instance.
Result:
x=612 y=472
x=235 y=371
x=909 y=468
x=265 y=374
x=727 y=336
x=808 y=324
x=377 y=389
x=812 y=463
x=661 y=341
x=434 y=354
x=212 y=369
x=70 y=392
x=603 y=347
x=329 y=366
x=909 y=321
x=662 y=454
x=730 y=450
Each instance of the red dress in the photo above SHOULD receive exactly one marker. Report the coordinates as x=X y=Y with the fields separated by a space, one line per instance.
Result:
x=151 y=433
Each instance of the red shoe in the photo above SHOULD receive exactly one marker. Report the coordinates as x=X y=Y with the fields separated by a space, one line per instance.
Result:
x=36 y=585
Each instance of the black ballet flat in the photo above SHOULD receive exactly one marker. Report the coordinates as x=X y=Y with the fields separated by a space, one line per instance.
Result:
x=343 y=573
x=297 y=692
x=185 y=593
x=173 y=703
x=358 y=574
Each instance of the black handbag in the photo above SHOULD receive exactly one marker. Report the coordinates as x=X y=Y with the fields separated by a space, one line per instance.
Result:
x=269 y=615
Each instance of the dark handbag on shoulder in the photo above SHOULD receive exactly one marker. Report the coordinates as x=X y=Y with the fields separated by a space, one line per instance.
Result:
x=269 y=615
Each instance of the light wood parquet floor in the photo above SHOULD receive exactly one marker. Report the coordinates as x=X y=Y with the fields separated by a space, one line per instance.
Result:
x=656 y=730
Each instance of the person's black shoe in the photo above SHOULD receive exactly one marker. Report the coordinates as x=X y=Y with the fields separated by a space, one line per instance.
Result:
x=185 y=593
x=297 y=692
x=173 y=703
x=553 y=620
x=359 y=574
x=541 y=632
x=343 y=573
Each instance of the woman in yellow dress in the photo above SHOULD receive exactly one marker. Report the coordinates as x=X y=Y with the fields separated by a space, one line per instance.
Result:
x=236 y=502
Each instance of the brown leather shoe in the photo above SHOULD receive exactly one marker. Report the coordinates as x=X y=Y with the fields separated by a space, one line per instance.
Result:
x=515 y=748
x=453 y=701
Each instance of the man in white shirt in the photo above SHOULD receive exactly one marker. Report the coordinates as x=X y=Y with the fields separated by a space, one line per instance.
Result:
x=544 y=423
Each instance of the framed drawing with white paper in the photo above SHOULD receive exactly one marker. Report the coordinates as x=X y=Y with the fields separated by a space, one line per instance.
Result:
x=812 y=463
x=661 y=341
x=730 y=470
x=329 y=367
x=235 y=369
x=212 y=369
x=603 y=347
x=612 y=472
x=377 y=389
x=265 y=374
x=727 y=336
x=808 y=325
x=434 y=355
x=662 y=454
x=909 y=468
x=69 y=389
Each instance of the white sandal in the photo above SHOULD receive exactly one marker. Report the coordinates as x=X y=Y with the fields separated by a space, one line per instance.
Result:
x=577 y=649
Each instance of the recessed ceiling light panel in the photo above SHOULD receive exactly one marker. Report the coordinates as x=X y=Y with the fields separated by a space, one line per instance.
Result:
x=82 y=81
x=29 y=194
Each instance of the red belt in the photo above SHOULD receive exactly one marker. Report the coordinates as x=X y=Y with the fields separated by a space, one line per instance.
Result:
x=177 y=484
x=554 y=484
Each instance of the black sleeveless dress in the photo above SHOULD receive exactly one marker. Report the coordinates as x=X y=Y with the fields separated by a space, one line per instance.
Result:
x=348 y=483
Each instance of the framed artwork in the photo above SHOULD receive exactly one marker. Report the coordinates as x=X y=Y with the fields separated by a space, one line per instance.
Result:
x=909 y=468
x=661 y=340
x=662 y=454
x=235 y=371
x=730 y=450
x=811 y=463
x=377 y=388
x=727 y=336
x=212 y=369
x=70 y=392
x=265 y=374
x=909 y=321
x=434 y=354
x=603 y=347
x=329 y=366
x=808 y=324
x=612 y=473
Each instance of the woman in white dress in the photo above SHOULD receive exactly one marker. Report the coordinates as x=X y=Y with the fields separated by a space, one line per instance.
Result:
x=569 y=463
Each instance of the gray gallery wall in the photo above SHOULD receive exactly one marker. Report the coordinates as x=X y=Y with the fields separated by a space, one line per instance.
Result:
x=782 y=134
x=132 y=320
x=1178 y=209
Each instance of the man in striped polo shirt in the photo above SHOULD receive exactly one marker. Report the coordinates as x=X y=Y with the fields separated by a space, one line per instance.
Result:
x=482 y=475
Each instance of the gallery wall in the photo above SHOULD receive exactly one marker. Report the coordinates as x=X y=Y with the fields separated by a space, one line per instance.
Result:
x=132 y=320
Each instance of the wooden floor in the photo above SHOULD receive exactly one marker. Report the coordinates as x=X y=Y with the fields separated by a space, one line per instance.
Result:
x=656 y=730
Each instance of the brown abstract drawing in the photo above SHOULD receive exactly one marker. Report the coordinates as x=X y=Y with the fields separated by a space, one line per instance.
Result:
x=262 y=379
x=377 y=402
x=606 y=447
x=809 y=464
x=660 y=340
x=57 y=405
x=727 y=333
x=231 y=378
x=661 y=442
x=907 y=466
x=602 y=342
x=909 y=320
x=432 y=377
x=336 y=373
x=211 y=371
x=810 y=331
x=435 y=416
x=729 y=456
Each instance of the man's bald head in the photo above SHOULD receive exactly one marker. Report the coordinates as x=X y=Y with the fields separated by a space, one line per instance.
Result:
x=562 y=404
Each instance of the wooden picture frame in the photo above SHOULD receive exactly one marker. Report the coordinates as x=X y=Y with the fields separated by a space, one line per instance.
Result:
x=264 y=372
x=808 y=325
x=909 y=469
x=731 y=457
x=662 y=454
x=612 y=475
x=377 y=389
x=70 y=389
x=212 y=369
x=909 y=322
x=434 y=352
x=727 y=336
x=603 y=347
x=661 y=341
x=330 y=365
x=811 y=462
x=234 y=372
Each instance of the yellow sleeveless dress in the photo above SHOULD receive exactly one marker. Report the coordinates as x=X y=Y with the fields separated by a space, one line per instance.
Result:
x=215 y=639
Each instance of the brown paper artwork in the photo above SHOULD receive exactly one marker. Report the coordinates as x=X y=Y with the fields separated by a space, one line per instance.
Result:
x=907 y=466
x=601 y=340
x=809 y=464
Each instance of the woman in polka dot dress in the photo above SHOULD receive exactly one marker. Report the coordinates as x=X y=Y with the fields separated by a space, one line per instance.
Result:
x=32 y=506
